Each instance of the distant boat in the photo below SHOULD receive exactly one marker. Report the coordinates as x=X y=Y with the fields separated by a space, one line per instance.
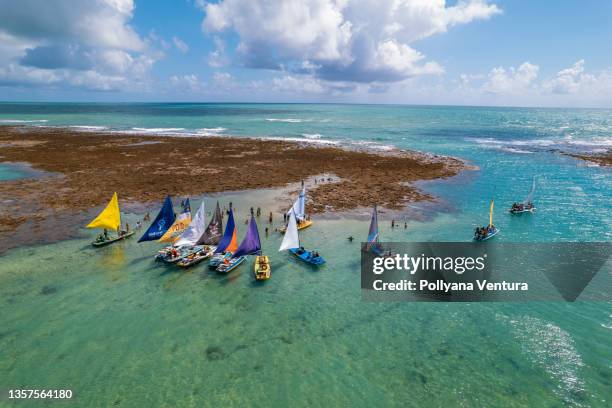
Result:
x=250 y=245
x=182 y=244
x=228 y=243
x=299 y=209
x=373 y=239
x=109 y=219
x=164 y=219
x=527 y=205
x=488 y=232
x=291 y=242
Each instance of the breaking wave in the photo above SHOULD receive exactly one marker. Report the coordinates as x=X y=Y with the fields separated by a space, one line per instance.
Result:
x=23 y=121
x=288 y=120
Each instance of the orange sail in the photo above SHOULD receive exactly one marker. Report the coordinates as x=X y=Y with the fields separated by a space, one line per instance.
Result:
x=233 y=246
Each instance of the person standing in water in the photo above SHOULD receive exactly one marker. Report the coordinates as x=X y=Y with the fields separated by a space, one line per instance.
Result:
x=270 y=217
x=392 y=223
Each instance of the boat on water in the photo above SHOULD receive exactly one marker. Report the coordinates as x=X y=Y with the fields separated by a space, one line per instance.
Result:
x=262 y=268
x=177 y=250
x=196 y=256
x=299 y=209
x=526 y=206
x=204 y=241
x=250 y=245
x=109 y=219
x=291 y=242
x=230 y=263
x=227 y=244
x=489 y=231
x=373 y=239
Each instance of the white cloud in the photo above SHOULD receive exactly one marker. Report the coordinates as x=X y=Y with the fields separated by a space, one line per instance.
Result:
x=88 y=44
x=180 y=45
x=355 y=40
x=511 y=80
x=570 y=80
x=217 y=58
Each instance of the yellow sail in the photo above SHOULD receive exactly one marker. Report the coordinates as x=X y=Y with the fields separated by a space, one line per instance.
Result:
x=110 y=217
x=176 y=229
x=491 y=213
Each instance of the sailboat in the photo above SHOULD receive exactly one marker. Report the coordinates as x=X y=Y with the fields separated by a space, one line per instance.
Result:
x=228 y=243
x=179 y=225
x=250 y=245
x=291 y=242
x=164 y=219
x=373 y=240
x=206 y=242
x=299 y=209
x=527 y=205
x=488 y=232
x=109 y=219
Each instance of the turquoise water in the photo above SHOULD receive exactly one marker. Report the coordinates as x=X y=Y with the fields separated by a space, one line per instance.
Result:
x=11 y=172
x=117 y=328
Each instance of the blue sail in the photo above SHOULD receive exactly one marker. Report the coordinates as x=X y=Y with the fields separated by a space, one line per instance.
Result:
x=162 y=222
x=251 y=243
x=226 y=240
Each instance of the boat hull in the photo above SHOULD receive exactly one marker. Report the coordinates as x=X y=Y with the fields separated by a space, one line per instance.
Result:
x=262 y=268
x=531 y=210
x=113 y=240
x=300 y=226
x=196 y=257
x=216 y=260
x=164 y=255
x=233 y=264
x=306 y=256
x=489 y=236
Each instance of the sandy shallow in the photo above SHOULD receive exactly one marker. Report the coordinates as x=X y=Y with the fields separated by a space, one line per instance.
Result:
x=85 y=168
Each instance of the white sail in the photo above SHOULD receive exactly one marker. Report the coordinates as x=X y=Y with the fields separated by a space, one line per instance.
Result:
x=195 y=229
x=291 y=239
x=530 y=196
x=299 y=206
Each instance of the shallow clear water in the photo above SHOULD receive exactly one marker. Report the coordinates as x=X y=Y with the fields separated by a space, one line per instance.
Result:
x=120 y=329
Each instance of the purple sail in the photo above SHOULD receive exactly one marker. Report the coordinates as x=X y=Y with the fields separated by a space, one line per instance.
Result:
x=251 y=243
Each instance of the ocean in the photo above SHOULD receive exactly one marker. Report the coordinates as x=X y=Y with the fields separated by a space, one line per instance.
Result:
x=117 y=328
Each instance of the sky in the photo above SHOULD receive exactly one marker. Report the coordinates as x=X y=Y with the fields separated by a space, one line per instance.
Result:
x=463 y=52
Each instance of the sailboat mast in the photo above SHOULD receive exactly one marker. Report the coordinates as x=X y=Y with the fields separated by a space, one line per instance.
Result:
x=491 y=213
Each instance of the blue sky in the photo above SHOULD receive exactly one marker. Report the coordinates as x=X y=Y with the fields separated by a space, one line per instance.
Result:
x=470 y=52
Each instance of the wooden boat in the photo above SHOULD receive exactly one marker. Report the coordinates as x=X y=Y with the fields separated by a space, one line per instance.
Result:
x=291 y=242
x=217 y=259
x=262 y=268
x=311 y=257
x=109 y=219
x=190 y=251
x=111 y=240
x=527 y=205
x=300 y=225
x=299 y=209
x=488 y=232
x=228 y=244
x=173 y=254
x=230 y=264
x=251 y=244
x=196 y=257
